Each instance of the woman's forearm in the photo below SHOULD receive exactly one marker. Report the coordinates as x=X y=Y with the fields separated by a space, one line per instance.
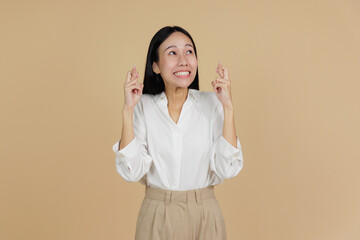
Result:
x=229 y=131
x=127 y=132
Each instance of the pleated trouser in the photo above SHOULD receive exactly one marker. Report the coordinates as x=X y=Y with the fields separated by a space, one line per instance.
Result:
x=180 y=215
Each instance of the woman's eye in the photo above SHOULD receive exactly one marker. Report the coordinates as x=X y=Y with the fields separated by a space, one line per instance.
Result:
x=175 y=53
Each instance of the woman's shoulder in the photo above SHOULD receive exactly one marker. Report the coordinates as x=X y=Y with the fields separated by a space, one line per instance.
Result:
x=143 y=103
x=146 y=98
x=207 y=102
x=205 y=97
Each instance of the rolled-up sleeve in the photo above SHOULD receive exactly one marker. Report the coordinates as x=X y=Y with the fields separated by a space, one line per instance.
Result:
x=133 y=161
x=226 y=160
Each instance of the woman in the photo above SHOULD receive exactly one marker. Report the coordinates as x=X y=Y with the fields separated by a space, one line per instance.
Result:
x=177 y=141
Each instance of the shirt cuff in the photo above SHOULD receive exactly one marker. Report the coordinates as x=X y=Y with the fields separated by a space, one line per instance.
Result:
x=227 y=150
x=129 y=151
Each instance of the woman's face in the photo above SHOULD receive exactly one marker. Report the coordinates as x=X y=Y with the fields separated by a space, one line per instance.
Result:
x=177 y=63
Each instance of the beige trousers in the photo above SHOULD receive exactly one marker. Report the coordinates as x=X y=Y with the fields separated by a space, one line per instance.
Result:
x=180 y=215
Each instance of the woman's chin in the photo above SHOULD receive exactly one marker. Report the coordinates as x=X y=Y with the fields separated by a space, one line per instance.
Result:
x=181 y=82
x=185 y=82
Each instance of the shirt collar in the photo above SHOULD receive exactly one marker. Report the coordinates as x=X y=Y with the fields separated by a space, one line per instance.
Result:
x=193 y=93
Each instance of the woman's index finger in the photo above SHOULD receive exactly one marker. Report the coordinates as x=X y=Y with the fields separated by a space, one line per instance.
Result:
x=226 y=73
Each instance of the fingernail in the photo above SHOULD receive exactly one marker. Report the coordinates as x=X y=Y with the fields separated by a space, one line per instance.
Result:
x=134 y=66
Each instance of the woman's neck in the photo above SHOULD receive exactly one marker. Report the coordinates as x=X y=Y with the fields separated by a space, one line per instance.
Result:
x=176 y=97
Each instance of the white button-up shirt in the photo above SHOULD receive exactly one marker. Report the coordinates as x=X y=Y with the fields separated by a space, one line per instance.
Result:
x=186 y=155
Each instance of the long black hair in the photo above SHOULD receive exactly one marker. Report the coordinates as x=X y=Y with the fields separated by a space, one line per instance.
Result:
x=153 y=83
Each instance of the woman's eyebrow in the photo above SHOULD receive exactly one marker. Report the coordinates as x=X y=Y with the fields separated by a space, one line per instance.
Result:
x=188 y=44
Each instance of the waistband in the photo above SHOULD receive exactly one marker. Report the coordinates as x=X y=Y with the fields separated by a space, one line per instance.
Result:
x=169 y=196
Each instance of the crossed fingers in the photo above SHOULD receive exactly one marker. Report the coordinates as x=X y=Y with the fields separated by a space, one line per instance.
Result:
x=131 y=80
x=223 y=80
x=223 y=72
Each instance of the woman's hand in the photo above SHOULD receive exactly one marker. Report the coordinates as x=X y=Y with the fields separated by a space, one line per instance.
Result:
x=132 y=89
x=221 y=86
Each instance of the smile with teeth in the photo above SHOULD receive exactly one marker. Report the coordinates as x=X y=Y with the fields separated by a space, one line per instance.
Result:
x=182 y=73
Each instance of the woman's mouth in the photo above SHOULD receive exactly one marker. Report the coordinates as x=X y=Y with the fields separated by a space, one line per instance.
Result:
x=182 y=74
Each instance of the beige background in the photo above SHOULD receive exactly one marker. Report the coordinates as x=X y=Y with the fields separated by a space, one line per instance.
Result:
x=295 y=80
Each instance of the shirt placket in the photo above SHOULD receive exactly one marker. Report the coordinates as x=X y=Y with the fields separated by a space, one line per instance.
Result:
x=177 y=133
x=178 y=136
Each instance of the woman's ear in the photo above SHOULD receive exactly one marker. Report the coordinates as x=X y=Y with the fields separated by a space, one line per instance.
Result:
x=155 y=68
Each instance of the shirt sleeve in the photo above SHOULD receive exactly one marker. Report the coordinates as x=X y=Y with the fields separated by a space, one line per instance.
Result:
x=226 y=160
x=133 y=161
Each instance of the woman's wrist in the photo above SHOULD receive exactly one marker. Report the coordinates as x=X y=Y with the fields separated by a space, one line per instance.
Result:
x=128 y=110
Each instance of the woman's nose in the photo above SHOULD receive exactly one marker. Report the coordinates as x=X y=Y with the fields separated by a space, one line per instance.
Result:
x=182 y=60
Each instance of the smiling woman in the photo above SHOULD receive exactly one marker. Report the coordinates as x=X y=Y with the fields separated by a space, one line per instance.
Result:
x=169 y=45
x=178 y=141
x=177 y=63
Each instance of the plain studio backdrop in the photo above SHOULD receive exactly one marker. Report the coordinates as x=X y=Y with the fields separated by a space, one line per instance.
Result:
x=294 y=67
